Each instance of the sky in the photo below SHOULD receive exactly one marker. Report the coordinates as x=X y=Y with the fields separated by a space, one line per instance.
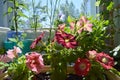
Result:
x=76 y=3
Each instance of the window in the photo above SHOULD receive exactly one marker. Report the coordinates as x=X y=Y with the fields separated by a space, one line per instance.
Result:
x=46 y=11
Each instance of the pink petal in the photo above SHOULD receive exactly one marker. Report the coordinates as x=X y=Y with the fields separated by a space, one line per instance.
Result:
x=10 y=54
x=88 y=28
x=84 y=19
x=17 y=49
x=72 y=24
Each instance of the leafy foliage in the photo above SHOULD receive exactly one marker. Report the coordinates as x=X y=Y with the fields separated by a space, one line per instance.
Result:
x=17 y=68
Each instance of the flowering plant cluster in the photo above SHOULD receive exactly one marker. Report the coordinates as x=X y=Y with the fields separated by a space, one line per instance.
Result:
x=80 y=45
x=15 y=66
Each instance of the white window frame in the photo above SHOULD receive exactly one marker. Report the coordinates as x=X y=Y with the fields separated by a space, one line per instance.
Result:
x=94 y=10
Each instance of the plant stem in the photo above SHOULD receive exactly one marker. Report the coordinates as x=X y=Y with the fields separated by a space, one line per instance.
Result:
x=15 y=17
x=34 y=17
x=52 y=17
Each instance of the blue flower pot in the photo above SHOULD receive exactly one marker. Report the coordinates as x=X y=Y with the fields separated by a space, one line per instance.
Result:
x=12 y=34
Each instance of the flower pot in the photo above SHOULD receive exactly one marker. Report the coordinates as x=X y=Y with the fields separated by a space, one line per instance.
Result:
x=12 y=34
x=26 y=43
x=9 y=45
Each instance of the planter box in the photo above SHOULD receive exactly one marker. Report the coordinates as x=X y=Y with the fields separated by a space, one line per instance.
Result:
x=112 y=76
x=9 y=45
x=47 y=68
x=70 y=70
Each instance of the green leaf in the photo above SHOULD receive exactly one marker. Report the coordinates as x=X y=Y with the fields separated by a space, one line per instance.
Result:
x=106 y=22
x=97 y=3
x=70 y=19
x=17 y=4
x=9 y=9
x=98 y=15
x=20 y=44
x=2 y=67
x=23 y=35
x=21 y=14
x=1 y=63
x=110 y=6
x=67 y=29
x=23 y=6
x=13 y=39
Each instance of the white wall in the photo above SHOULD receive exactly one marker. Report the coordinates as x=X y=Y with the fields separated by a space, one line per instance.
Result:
x=4 y=19
x=92 y=7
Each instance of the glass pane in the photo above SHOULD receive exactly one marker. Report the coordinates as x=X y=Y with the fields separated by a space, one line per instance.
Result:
x=46 y=12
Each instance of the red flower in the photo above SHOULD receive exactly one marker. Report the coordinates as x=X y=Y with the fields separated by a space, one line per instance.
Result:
x=105 y=60
x=82 y=66
x=91 y=54
x=67 y=40
x=35 y=42
x=82 y=24
x=59 y=31
x=34 y=62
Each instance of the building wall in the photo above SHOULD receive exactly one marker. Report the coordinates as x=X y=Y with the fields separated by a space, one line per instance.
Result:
x=4 y=19
x=1 y=13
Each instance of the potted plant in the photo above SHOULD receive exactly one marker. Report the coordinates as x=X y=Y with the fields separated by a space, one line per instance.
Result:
x=16 y=37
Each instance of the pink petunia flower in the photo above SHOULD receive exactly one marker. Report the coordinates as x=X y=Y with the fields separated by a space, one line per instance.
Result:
x=105 y=60
x=35 y=42
x=82 y=66
x=34 y=62
x=82 y=24
x=4 y=58
x=61 y=27
x=14 y=52
x=91 y=54
x=67 y=40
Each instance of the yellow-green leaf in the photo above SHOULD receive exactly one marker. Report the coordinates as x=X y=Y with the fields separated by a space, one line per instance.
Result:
x=9 y=10
x=70 y=19
x=110 y=7
x=97 y=3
